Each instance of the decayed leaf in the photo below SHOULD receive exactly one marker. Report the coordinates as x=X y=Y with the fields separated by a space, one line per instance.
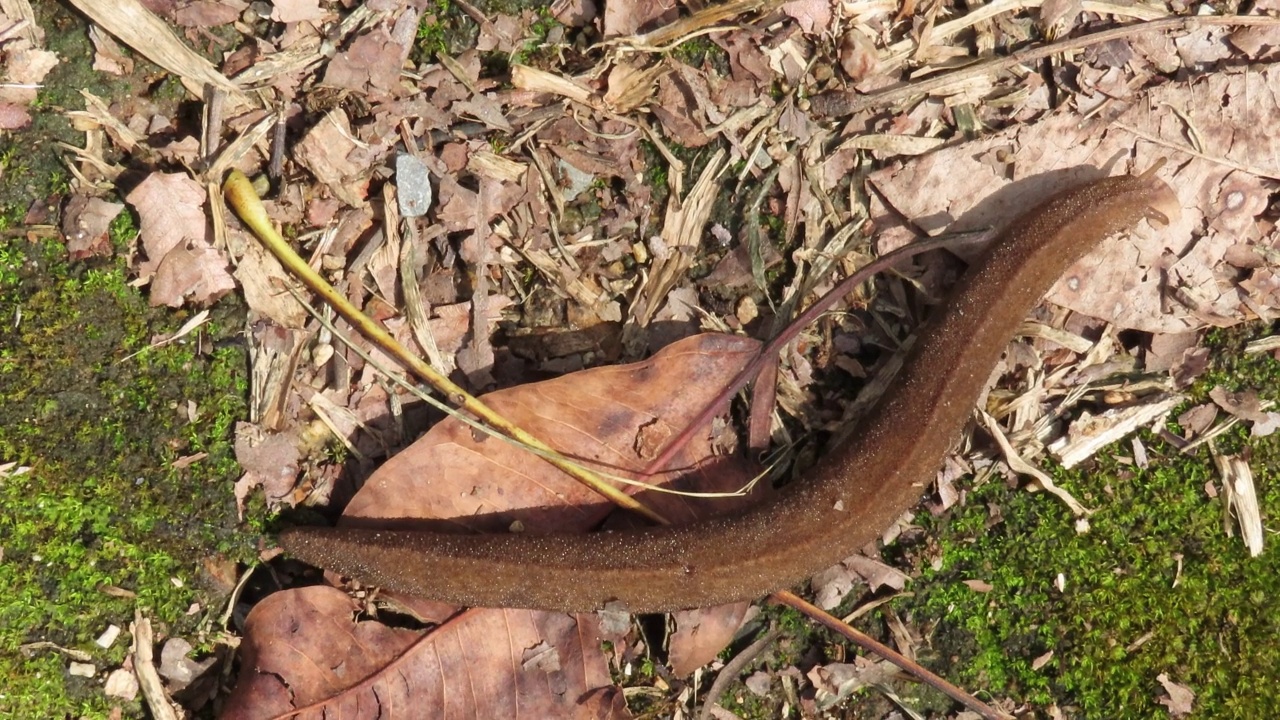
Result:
x=630 y=16
x=85 y=224
x=180 y=262
x=1248 y=407
x=289 y=648
x=701 y=635
x=614 y=418
x=108 y=56
x=371 y=64
x=24 y=70
x=304 y=646
x=835 y=681
x=192 y=272
x=170 y=211
x=1196 y=420
x=1128 y=276
x=269 y=461
x=858 y=56
x=831 y=586
x=814 y=16
x=330 y=151
x=1180 y=700
x=287 y=11
x=13 y=117
x=206 y=14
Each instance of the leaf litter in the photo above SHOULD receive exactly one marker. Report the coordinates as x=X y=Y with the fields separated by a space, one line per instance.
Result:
x=557 y=234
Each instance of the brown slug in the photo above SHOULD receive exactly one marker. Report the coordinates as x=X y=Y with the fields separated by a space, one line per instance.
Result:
x=848 y=498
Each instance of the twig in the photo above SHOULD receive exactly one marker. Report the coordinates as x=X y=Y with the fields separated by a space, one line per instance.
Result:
x=144 y=668
x=842 y=103
x=771 y=349
x=732 y=669
x=870 y=644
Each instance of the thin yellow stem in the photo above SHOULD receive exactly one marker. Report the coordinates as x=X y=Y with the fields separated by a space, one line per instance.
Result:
x=248 y=207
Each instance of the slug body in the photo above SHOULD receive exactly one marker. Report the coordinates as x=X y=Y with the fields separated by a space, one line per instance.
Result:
x=850 y=497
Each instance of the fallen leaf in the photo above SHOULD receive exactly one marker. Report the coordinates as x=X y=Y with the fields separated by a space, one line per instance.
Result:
x=304 y=646
x=370 y=65
x=85 y=225
x=814 y=16
x=1247 y=405
x=13 y=117
x=1179 y=699
x=208 y=13
x=25 y=69
x=1129 y=275
x=269 y=461
x=979 y=586
x=170 y=212
x=627 y=17
x=107 y=54
x=701 y=634
x=192 y=272
x=289 y=11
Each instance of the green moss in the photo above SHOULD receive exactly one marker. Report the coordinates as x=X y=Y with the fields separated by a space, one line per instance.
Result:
x=701 y=50
x=443 y=28
x=533 y=50
x=1154 y=587
x=102 y=523
x=30 y=160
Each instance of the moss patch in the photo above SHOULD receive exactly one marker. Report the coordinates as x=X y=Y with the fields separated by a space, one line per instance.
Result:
x=102 y=522
x=30 y=159
x=1154 y=587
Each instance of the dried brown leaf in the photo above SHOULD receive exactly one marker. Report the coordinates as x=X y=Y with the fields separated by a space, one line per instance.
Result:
x=180 y=262
x=548 y=664
x=329 y=150
x=1128 y=276
x=270 y=461
x=304 y=646
x=813 y=16
x=85 y=225
x=209 y=13
x=24 y=71
x=598 y=415
x=1180 y=699
x=701 y=635
x=288 y=11
x=981 y=586
x=13 y=117
x=191 y=273
x=371 y=65
x=858 y=55
x=627 y=17
x=575 y=13
x=108 y=56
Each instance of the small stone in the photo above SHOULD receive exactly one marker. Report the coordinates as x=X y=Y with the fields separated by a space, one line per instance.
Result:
x=108 y=636
x=413 y=186
x=121 y=684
